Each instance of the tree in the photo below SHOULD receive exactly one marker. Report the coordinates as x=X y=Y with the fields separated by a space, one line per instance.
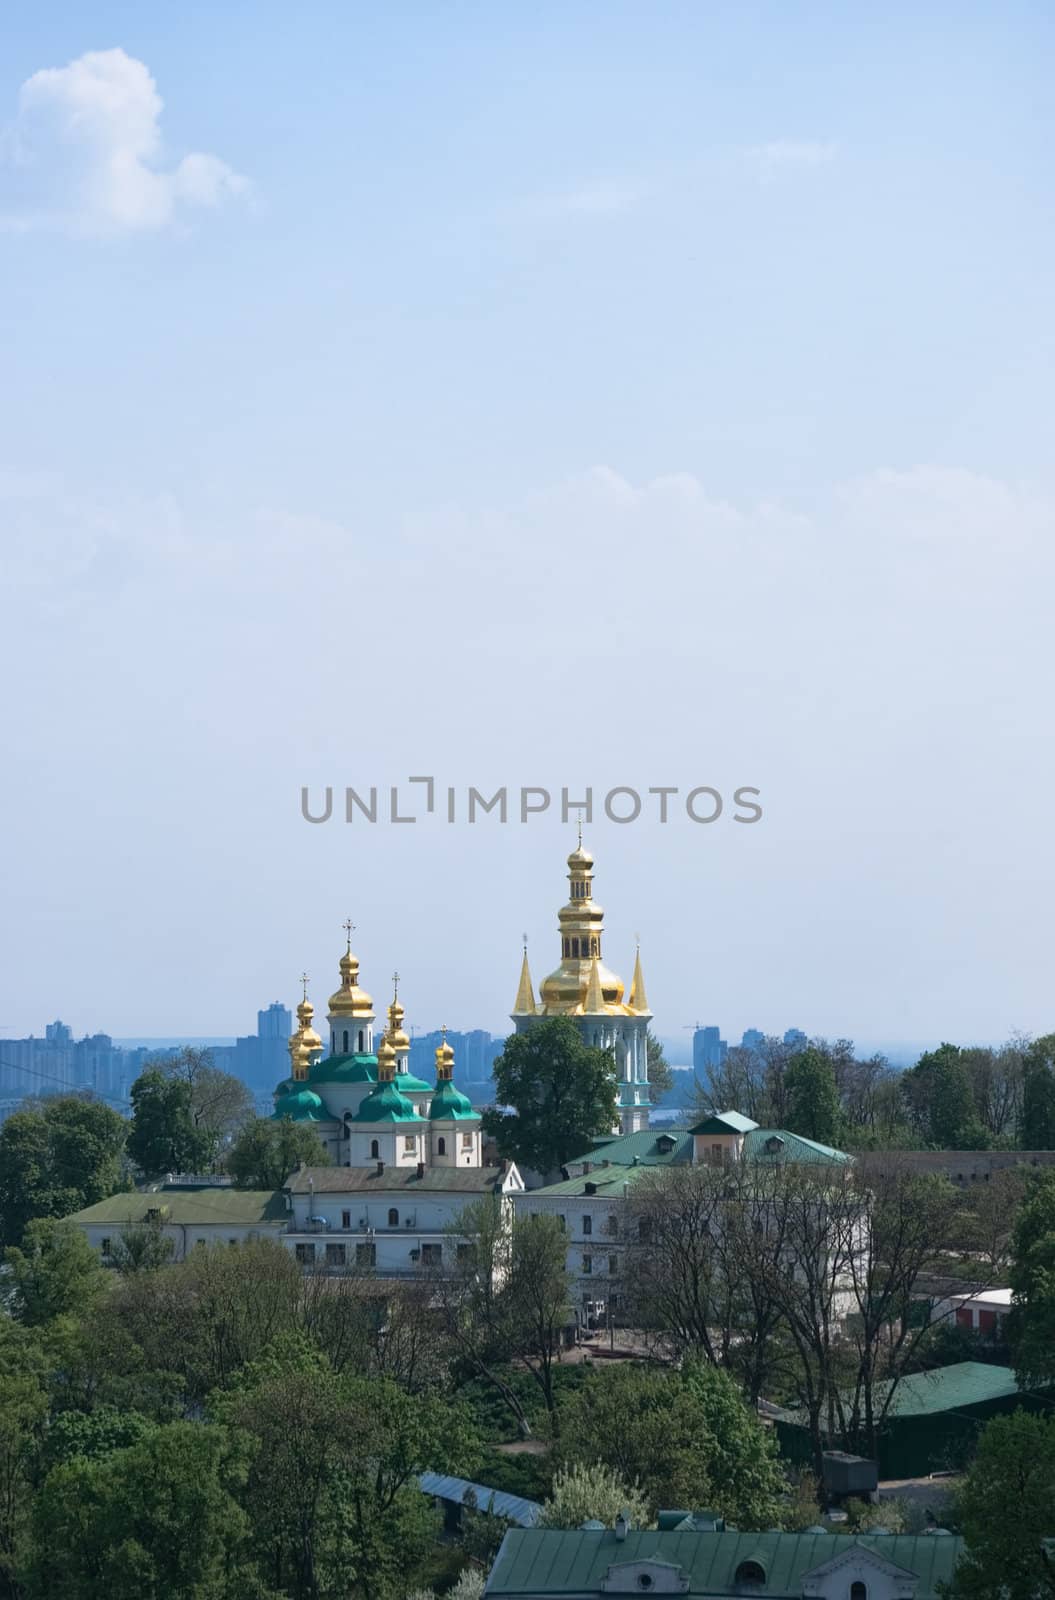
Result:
x=812 y=1098
x=658 y=1429
x=55 y=1271
x=157 y=1521
x=1031 y=1322
x=1037 y=1129
x=538 y=1293
x=660 y=1077
x=1005 y=1508
x=266 y=1151
x=562 y=1093
x=55 y=1158
x=23 y=1410
x=164 y=1137
x=220 y=1103
x=592 y=1492
x=940 y=1099
x=91 y=1435
x=144 y=1248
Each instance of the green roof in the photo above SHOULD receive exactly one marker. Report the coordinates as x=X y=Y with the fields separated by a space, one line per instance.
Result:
x=348 y=1180
x=406 y=1083
x=385 y=1103
x=449 y=1104
x=605 y=1181
x=301 y=1105
x=539 y=1563
x=649 y=1147
x=724 y=1122
x=964 y=1383
x=774 y=1146
x=344 y=1069
x=248 y=1207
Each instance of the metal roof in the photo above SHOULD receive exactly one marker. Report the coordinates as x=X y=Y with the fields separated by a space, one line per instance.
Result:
x=541 y=1562
x=525 y=1513
x=347 y=1180
x=724 y=1122
x=193 y=1207
x=964 y=1383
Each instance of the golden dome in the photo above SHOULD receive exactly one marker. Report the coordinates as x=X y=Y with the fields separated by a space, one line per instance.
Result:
x=581 y=923
x=386 y=1061
x=349 y=1000
x=580 y=860
x=396 y=1034
x=305 y=1044
x=444 y=1060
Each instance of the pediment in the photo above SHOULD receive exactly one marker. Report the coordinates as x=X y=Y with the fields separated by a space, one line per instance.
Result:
x=860 y=1562
x=645 y=1576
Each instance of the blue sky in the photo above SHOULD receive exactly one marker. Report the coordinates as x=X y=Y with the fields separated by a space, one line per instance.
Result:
x=562 y=394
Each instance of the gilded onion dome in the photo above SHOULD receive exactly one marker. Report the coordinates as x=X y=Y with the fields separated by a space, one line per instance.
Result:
x=305 y=1046
x=386 y=1061
x=349 y=1000
x=581 y=924
x=448 y=1103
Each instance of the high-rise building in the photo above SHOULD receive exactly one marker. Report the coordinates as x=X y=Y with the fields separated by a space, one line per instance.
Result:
x=709 y=1049
x=795 y=1036
x=587 y=992
x=753 y=1039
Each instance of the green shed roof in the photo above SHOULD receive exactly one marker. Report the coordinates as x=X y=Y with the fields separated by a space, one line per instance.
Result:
x=964 y=1383
x=724 y=1122
x=540 y=1562
x=774 y=1146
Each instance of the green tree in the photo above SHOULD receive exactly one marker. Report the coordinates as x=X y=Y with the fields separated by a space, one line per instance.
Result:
x=266 y=1151
x=940 y=1098
x=91 y=1435
x=537 y=1293
x=658 y=1429
x=1031 y=1323
x=220 y=1103
x=331 y=1491
x=592 y=1492
x=142 y=1248
x=1005 y=1508
x=55 y=1158
x=1037 y=1126
x=164 y=1137
x=23 y=1409
x=812 y=1097
x=560 y=1091
x=157 y=1521
x=660 y=1076
x=56 y=1271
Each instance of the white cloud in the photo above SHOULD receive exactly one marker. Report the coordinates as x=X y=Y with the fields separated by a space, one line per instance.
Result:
x=780 y=156
x=88 y=149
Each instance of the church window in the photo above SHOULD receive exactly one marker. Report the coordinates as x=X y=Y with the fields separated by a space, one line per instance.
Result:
x=858 y=1591
x=441 y=1146
x=467 y=1141
x=587 y=1226
x=409 y=1142
x=375 y=1149
x=393 y=1218
x=345 y=1045
x=360 y=1041
x=565 y=947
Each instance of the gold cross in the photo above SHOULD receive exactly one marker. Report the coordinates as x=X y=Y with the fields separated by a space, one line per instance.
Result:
x=304 y=985
x=395 y=987
x=349 y=927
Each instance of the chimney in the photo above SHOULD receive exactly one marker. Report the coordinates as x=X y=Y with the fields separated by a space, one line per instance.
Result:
x=380 y=1168
x=421 y=1169
x=622 y=1526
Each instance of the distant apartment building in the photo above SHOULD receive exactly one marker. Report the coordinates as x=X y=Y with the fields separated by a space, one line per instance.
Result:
x=60 y=1064
x=475 y=1053
x=754 y=1038
x=709 y=1049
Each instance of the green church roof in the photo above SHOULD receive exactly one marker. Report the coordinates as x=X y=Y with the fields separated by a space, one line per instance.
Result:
x=449 y=1104
x=301 y=1105
x=344 y=1069
x=406 y=1083
x=385 y=1103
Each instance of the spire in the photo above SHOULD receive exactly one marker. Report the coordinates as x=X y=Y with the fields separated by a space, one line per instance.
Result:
x=638 y=1000
x=305 y=1046
x=349 y=1000
x=594 y=1004
x=524 y=1004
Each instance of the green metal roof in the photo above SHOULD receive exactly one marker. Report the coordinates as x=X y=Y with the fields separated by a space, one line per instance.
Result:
x=964 y=1383
x=406 y=1083
x=606 y=1181
x=792 y=1147
x=543 y=1562
x=647 y=1147
x=450 y=1105
x=344 y=1069
x=385 y=1103
x=349 y=1180
x=301 y=1105
x=245 y=1207
x=724 y=1122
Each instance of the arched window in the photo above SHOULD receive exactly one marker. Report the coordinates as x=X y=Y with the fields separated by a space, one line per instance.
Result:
x=441 y=1146
x=858 y=1591
x=393 y=1218
x=344 y=1047
x=360 y=1041
x=750 y=1575
x=375 y=1149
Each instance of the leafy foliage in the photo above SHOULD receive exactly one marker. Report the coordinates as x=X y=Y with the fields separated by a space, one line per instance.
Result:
x=266 y=1151
x=813 y=1098
x=562 y=1093
x=164 y=1137
x=55 y=1271
x=1005 y=1508
x=592 y=1492
x=1031 y=1324
x=56 y=1159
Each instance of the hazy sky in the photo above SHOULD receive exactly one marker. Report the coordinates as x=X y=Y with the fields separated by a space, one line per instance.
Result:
x=558 y=394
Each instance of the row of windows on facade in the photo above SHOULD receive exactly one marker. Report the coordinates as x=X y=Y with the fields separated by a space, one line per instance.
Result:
x=365 y=1255
x=581 y=949
x=346 y=1041
x=410 y=1144
x=613 y=1266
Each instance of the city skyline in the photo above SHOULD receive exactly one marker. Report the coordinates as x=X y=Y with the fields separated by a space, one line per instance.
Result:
x=536 y=400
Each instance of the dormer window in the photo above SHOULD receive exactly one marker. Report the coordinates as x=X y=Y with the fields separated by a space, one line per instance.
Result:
x=750 y=1575
x=858 y=1590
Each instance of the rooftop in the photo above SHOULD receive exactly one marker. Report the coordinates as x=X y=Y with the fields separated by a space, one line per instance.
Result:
x=525 y=1513
x=240 y=1207
x=541 y=1563
x=351 y=1180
